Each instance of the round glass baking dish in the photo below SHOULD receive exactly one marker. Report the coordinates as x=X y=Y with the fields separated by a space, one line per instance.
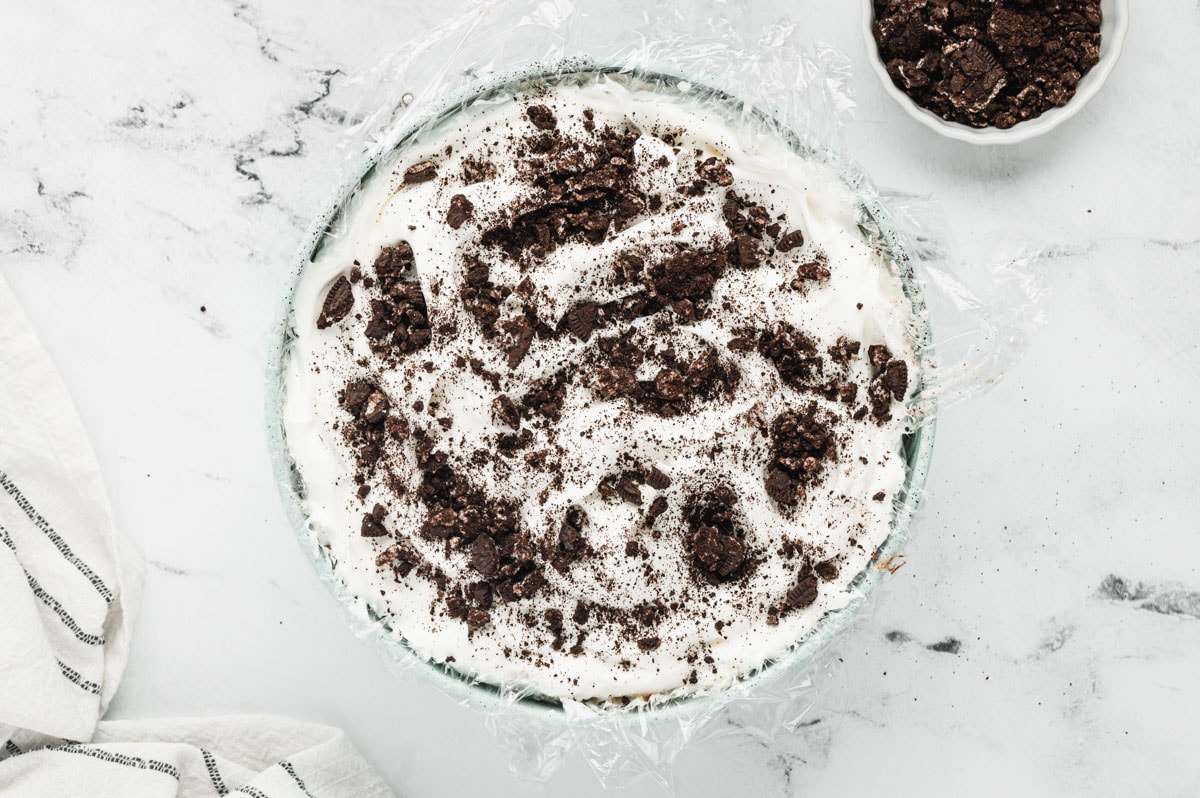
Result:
x=876 y=227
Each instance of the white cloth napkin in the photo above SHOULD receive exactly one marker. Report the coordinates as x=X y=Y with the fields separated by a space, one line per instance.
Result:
x=69 y=588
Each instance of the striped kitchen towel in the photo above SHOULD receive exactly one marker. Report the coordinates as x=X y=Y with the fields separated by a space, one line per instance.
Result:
x=254 y=757
x=69 y=588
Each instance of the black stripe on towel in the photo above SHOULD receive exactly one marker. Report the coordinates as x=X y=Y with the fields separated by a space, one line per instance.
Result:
x=214 y=775
x=63 y=615
x=50 y=601
x=73 y=676
x=55 y=538
x=253 y=792
x=122 y=759
x=291 y=771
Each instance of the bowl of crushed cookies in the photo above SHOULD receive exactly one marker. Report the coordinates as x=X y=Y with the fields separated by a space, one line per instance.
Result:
x=994 y=71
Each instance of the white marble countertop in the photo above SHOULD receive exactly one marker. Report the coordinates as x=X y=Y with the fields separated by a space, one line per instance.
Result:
x=158 y=162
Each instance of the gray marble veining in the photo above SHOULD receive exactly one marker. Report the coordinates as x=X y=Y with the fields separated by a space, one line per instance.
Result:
x=158 y=163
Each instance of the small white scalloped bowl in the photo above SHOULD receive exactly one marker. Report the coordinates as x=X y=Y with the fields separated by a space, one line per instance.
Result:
x=1113 y=26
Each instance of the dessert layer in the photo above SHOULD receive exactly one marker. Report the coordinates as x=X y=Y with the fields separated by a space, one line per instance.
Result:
x=598 y=391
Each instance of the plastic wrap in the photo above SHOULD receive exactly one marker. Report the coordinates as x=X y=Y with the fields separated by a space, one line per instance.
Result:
x=789 y=87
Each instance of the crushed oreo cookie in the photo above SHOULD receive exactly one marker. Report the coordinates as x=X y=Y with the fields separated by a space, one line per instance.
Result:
x=714 y=538
x=889 y=384
x=802 y=444
x=584 y=189
x=368 y=407
x=461 y=209
x=420 y=173
x=399 y=322
x=338 y=303
x=988 y=63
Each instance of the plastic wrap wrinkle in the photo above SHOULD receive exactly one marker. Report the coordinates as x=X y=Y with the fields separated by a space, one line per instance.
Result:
x=801 y=89
x=982 y=330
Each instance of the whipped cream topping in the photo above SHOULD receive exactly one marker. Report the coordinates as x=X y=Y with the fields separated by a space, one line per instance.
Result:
x=630 y=452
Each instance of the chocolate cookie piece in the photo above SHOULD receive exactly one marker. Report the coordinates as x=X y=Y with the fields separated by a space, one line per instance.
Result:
x=398 y=323
x=689 y=274
x=657 y=479
x=669 y=384
x=571 y=546
x=584 y=191
x=368 y=407
x=477 y=619
x=541 y=117
x=337 y=305
x=748 y=251
x=890 y=382
x=400 y=558
x=973 y=75
x=803 y=593
x=520 y=333
x=718 y=553
x=812 y=270
x=844 y=350
x=581 y=320
x=794 y=354
x=485 y=557
x=372 y=528
x=420 y=173
x=790 y=240
x=611 y=383
x=461 y=209
x=802 y=443
x=716 y=171
x=629 y=490
x=657 y=507
x=506 y=411
x=714 y=537
x=375 y=408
